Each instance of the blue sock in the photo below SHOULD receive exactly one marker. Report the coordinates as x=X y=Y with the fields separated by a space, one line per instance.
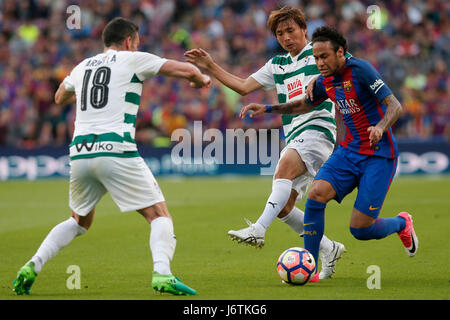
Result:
x=380 y=229
x=314 y=222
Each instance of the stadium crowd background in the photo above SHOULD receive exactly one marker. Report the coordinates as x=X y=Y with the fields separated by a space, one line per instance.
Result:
x=37 y=50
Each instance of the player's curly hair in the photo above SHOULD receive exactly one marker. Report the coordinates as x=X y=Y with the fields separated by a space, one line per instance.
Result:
x=117 y=30
x=283 y=14
x=327 y=33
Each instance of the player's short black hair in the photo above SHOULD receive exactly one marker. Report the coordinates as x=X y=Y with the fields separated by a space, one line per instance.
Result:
x=117 y=30
x=326 y=33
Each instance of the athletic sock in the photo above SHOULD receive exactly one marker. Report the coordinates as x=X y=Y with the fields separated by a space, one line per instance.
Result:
x=281 y=191
x=162 y=244
x=314 y=226
x=59 y=237
x=381 y=228
x=294 y=220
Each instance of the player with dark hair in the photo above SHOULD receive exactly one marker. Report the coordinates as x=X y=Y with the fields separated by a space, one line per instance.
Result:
x=310 y=138
x=103 y=155
x=366 y=159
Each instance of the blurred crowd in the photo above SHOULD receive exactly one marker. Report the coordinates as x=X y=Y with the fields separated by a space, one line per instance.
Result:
x=407 y=41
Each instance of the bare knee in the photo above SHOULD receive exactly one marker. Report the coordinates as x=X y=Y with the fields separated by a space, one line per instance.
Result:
x=360 y=220
x=321 y=191
x=84 y=221
x=290 y=166
x=155 y=211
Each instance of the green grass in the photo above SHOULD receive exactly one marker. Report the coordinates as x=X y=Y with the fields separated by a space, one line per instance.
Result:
x=115 y=260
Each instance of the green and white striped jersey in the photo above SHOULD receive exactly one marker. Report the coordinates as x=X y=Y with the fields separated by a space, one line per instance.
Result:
x=108 y=89
x=290 y=77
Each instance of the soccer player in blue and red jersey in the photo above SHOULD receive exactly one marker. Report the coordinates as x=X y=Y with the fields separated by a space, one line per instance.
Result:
x=366 y=158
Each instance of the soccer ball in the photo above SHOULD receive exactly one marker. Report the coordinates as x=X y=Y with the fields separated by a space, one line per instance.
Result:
x=296 y=266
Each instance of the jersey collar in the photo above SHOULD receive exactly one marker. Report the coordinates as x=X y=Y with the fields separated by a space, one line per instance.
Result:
x=305 y=48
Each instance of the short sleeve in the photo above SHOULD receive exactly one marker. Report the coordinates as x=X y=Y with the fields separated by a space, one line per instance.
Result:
x=370 y=77
x=264 y=76
x=68 y=82
x=146 y=64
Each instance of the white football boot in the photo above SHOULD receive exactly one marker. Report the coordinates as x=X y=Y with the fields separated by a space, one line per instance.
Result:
x=252 y=235
x=329 y=260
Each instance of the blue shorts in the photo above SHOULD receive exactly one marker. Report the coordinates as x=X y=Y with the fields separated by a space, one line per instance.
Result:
x=346 y=170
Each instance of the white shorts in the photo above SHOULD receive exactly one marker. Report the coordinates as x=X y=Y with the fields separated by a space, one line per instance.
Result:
x=314 y=147
x=129 y=181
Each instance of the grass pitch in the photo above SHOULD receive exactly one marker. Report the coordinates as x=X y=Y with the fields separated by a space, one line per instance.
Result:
x=115 y=260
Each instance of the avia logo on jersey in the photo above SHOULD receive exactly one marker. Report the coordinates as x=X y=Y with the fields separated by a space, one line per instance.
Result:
x=348 y=106
x=294 y=88
x=377 y=85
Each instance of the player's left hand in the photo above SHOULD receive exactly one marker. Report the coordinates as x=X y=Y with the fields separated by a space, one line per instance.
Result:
x=375 y=134
x=255 y=107
x=310 y=88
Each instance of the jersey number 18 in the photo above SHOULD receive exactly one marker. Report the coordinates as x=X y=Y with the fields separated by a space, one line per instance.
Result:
x=99 y=91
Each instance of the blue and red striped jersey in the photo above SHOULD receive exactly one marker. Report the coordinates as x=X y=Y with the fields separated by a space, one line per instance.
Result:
x=357 y=90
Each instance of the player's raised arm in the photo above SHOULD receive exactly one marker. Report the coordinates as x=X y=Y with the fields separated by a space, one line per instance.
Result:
x=394 y=110
x=177 y=69
x=203 y=60
x=293 y=107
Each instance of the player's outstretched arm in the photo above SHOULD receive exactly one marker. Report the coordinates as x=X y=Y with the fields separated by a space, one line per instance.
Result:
x=394 y=110
x=203 y=60
x=178 y=69
x=63 y=96
x=294 y=107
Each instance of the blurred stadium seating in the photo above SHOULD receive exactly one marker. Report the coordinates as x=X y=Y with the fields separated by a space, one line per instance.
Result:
x=37 y=50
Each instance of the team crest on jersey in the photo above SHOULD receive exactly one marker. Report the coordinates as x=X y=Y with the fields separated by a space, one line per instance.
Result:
x=347 y=85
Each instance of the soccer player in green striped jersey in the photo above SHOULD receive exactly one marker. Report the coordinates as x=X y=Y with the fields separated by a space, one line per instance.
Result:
x=103 y=154
x=310 y=137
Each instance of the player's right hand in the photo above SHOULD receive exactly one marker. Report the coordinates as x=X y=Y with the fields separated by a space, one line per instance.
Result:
x=257 y=109
x=205 y=83
x=375 y=135
x=199 y=57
